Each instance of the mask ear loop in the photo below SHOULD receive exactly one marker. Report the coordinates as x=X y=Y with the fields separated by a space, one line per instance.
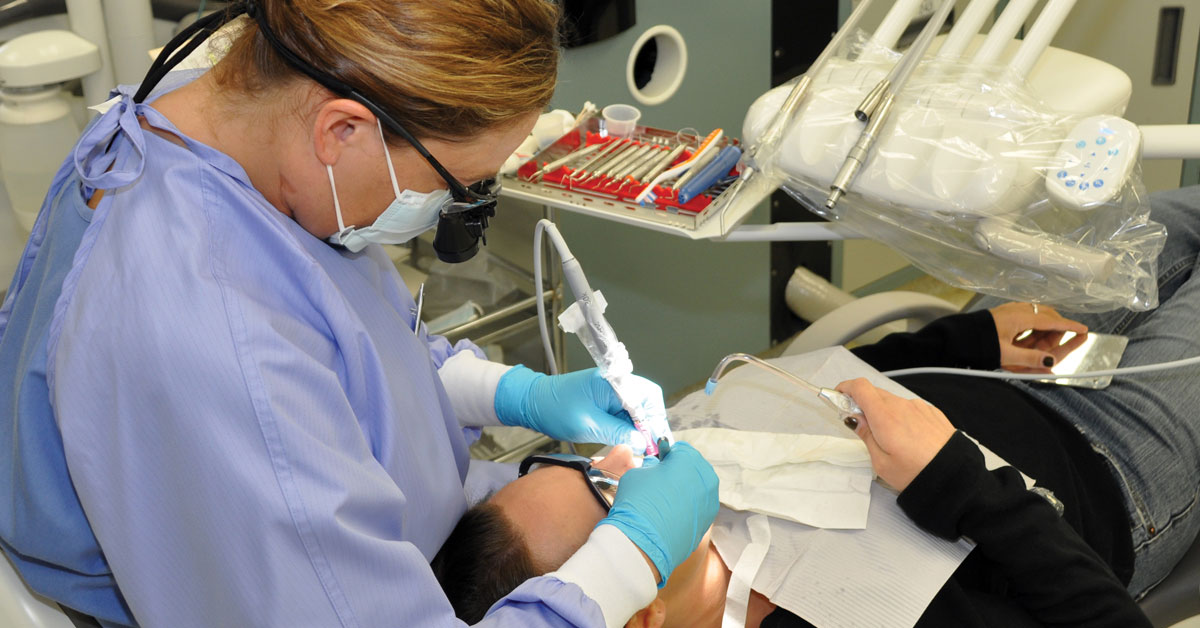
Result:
x=337 y=206
x=387 y=156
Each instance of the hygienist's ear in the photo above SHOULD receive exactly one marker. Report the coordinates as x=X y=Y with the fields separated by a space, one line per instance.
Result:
x=341 y=124
x=653 y=616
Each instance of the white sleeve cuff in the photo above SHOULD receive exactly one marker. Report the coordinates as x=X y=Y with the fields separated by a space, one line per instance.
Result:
x=612 y=571
x=471 y=385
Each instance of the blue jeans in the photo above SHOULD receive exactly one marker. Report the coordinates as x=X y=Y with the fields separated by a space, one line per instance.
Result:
x=1148 y=426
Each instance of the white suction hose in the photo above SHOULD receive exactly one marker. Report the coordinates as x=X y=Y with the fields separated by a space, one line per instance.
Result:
x=1126 y=370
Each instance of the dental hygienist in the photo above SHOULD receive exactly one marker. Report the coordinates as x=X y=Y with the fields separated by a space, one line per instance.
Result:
x=215 y=411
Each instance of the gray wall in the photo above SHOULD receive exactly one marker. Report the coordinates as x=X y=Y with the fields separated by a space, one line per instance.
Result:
x=678 y=305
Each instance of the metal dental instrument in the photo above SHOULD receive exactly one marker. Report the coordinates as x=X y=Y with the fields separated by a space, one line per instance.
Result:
x=622 y=168
x=878 y=104
x=613 y=160
x=596 y=158
x=847 y=410
x=900 y=73
x=708 y=145
x=665 y=162
x=620 y=146
x=637 y=162
x=655 y=157
x=645 y=164
x=620 y=162
x=570 y=157
x=417 y=312
x=590 y=160
x=697 y=165
x=775 y=127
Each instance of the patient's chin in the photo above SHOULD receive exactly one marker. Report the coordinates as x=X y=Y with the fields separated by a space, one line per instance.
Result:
x=653 y=616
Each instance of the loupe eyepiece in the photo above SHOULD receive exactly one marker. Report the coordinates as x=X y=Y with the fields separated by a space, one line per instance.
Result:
x=461 y=222
x=460 y=228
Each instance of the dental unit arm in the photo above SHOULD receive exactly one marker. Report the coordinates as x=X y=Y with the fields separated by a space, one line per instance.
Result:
x=585 y=318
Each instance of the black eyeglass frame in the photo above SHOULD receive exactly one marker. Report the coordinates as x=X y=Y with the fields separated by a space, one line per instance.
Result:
x=583 y=464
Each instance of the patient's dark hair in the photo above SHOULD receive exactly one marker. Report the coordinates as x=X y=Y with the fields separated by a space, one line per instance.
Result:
x=484 y=559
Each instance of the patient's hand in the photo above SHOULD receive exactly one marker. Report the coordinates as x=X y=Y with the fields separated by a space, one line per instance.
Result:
x=1039 y=350
x=902 y=435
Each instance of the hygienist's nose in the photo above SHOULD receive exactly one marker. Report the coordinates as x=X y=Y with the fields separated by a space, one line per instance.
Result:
x=618 y=461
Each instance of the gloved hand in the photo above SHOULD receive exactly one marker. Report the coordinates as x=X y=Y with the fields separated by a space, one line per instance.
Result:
x=666 y=508
x=579 y=407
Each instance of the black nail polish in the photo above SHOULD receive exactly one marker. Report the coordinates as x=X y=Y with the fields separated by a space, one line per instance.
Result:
x=1048 y=361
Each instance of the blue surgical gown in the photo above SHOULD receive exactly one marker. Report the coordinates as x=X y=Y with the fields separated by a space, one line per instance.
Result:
x=215 y=418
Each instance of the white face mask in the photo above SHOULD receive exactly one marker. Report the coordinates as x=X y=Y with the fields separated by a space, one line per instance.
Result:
x=409 y=214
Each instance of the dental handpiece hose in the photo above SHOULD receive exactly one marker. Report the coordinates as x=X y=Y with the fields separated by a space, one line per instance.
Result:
x=774 y=131
x=598 y=337
x=877 y=106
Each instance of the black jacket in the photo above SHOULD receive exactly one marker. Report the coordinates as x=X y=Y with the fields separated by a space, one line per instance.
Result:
x=1030 y=566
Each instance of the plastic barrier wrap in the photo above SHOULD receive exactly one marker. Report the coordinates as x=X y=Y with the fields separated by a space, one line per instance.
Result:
x=975 y=181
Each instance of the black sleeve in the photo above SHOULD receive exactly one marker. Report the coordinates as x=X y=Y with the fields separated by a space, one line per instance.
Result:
x=1049 y=569
x=958 y=340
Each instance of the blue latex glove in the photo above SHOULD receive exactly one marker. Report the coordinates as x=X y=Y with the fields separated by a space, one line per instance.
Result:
x=579 y=407
x=666 y=508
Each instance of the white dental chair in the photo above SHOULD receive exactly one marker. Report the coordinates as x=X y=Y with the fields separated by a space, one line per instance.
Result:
x=20 y=607
x=1174 y=600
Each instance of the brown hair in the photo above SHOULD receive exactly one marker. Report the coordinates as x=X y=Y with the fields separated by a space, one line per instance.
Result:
x=445 y=69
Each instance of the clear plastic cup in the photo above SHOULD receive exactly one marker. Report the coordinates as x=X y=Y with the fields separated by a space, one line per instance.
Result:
x=620 y=120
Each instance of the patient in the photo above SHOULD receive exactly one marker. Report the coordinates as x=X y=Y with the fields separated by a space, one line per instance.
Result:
x=1121 y=463
x=532 y=525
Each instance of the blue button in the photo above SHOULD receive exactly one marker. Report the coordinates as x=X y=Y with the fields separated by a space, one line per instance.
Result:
x=1098 y=183
x=1093 y=154
x=1113 y=151
x=1100 y=141
x=1070 y=183
x=1106 y=130
x=1083 y=186
x=1062 y=174
x=1080 y=144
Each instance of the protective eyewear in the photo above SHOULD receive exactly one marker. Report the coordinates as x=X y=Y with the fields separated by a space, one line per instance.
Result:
x=602 y=483
x=462 y=220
